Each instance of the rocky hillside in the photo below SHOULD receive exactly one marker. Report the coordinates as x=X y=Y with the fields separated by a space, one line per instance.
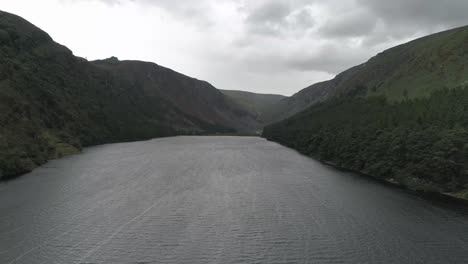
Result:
x=53 y=103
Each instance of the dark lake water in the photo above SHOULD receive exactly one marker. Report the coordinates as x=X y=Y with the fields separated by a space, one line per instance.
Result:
x=218 y=200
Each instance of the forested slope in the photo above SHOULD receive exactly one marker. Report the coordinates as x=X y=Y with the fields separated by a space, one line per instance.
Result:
x=411 y=127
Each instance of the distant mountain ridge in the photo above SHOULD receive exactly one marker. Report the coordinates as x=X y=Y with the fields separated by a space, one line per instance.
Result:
x=53 y=103
x=258 y=104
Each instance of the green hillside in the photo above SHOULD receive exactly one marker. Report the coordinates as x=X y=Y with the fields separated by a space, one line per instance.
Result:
x=401 y=117
x=53 y=103
x=415 y=69
x=412 y=70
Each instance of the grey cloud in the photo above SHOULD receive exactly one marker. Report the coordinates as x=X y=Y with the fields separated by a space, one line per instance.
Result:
x=354 y=24
x=184 y=9
x=278 y=18
x=403 y=18
x=273 y=12
x=328 y=58
x=304 y=18
x=380 y=22
x=400 y=18
x=268 y=19
x=111 y=2
x=188 y=8
x=420 y=12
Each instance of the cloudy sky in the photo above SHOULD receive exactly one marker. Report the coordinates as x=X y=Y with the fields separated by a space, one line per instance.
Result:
x=267 y=46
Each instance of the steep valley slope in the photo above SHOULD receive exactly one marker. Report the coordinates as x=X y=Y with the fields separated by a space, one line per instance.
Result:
x=412 y=70
x=53 y=103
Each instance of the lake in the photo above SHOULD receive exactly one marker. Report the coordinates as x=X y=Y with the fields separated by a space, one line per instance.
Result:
x=218 y=200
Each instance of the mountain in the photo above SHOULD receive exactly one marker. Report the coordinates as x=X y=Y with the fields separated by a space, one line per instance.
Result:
x=402 y=116
x=53 y=103
x=412 y=70
x=258 y=104
x=197 y=98
x=309 y=96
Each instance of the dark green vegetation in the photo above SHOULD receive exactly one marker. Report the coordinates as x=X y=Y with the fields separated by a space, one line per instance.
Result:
x=258 y=104
x=402 y=116
x=421 y=143
x=53 y=103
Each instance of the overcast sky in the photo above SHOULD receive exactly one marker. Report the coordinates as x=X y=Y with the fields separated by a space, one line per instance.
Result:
x=266 y=46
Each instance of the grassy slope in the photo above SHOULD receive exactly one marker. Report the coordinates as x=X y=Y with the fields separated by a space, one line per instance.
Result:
x=412 y=70
x=416 y=69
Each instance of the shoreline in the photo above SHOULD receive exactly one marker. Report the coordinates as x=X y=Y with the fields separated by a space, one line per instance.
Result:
x=458 y=197
x=452 y=196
